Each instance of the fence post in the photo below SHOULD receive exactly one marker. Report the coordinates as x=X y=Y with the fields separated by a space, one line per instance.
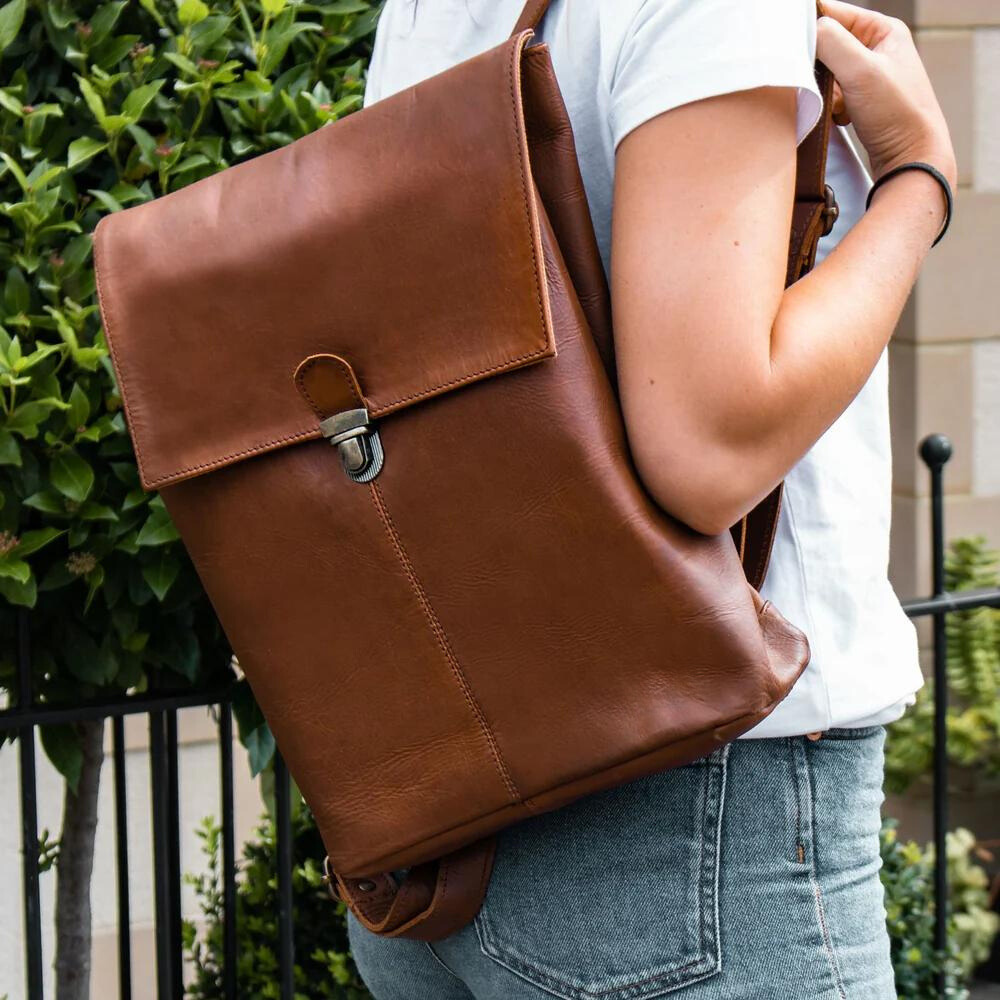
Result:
x=936 y=450
x=121 y=860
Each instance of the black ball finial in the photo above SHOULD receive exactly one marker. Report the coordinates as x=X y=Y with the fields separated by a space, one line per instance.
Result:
x=935 y=449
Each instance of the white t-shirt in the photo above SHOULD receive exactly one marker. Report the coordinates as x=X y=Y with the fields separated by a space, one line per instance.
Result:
x=620 y=63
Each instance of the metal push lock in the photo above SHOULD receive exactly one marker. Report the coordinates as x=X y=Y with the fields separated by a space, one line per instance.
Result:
x=358 y=442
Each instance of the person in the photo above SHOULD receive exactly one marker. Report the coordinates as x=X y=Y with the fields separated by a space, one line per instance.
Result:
x=752 y=873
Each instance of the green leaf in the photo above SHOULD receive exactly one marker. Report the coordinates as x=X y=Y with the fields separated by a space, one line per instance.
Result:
x=158 y=530
x=134 y=498
x=46 y=501
x=181 y=62
x=37 y=355
x=94 y=580
x=15 y=168
x=273 y=7
x=242 y=91
x=11 y=103
x=260 y=748
x=190 y=163
x=86 y=660
x=22 y=594
x=10 y=450
x=106 y=200
x=91 y=511
x=16 y=292
x=26 y=417
x=82 y=149
x=62 y=747
x=72 y=476
x=161 y=573
x=11 y=18
x=31 y=541
x=191 y=12
x=93 y=99
x=79 y=407
x=145 y=142
x=104 y=20
x=138 y=99
x=14 y=569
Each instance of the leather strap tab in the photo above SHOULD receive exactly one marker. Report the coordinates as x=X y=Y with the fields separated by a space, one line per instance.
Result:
x=531 y=16
x=434 y=900
x=328 y=384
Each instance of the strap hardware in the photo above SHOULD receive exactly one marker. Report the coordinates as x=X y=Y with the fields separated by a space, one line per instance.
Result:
x=358 y=442
x=831 y=210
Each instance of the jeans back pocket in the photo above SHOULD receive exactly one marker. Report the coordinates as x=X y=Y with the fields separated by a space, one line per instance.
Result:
x=614 y=897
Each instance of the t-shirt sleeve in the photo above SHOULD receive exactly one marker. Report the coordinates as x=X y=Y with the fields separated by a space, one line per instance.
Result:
x=677 y=51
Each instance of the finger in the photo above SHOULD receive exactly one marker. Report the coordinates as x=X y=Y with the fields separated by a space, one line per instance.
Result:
x=839 y=50
x=840 y=113
x=868 y=26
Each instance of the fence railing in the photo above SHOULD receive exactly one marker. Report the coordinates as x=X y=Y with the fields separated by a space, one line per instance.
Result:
x=161 y=710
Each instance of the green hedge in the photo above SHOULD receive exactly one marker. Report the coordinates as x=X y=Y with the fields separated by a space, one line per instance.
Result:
x=103 y=106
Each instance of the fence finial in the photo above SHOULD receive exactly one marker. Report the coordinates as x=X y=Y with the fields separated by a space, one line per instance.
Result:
x=935 y=450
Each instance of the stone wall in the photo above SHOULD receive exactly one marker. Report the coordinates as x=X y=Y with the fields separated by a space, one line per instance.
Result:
x=945 y=356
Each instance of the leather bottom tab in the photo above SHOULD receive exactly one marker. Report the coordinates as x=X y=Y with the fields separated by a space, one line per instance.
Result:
x=434 y=900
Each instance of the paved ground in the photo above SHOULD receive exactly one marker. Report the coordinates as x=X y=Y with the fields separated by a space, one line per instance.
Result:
x=986 y=991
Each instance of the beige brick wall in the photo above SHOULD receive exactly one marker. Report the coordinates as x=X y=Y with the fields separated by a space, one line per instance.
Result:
x=945 y=356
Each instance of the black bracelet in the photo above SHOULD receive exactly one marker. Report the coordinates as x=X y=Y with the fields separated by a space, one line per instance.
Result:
x=927 y=168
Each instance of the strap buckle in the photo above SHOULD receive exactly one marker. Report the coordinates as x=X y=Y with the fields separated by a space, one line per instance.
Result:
x=831 y=210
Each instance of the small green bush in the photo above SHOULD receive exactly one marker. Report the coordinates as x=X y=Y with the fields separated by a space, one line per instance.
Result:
x=973 y=639
x=323 y=967
x=908 y=877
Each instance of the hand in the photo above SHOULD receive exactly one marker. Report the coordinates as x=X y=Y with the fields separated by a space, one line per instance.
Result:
x=882 y=87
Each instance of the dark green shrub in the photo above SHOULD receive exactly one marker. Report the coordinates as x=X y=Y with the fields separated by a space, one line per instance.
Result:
x=323 y=967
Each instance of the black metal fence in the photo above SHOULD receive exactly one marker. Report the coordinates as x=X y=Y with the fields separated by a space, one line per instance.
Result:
x=161 y=710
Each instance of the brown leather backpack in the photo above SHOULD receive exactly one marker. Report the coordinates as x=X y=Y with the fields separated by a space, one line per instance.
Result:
x=372 y=374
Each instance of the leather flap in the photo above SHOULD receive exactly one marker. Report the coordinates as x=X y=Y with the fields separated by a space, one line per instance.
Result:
x=404 y=239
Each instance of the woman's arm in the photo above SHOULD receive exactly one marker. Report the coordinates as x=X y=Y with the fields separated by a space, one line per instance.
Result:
x=726 y=378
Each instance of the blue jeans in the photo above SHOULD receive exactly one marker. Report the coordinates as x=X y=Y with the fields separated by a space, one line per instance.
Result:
x=750 y=874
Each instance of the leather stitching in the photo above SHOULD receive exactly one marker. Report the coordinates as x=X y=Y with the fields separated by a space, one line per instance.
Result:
x=385 y=408
x=104 y=304
x=520 y=151
x=442 y=639
x=217 y=463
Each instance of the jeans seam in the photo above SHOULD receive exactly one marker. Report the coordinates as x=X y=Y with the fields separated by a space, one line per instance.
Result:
x=444 y=965
x=806 y=778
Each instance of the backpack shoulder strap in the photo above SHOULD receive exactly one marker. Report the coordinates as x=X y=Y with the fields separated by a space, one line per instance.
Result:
x=534 y=11
x=814 y=215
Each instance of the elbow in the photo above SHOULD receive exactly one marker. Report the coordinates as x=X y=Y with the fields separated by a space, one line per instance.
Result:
x=709 y=496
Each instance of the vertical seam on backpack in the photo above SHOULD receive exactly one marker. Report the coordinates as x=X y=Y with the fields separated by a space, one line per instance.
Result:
x=442 y=639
